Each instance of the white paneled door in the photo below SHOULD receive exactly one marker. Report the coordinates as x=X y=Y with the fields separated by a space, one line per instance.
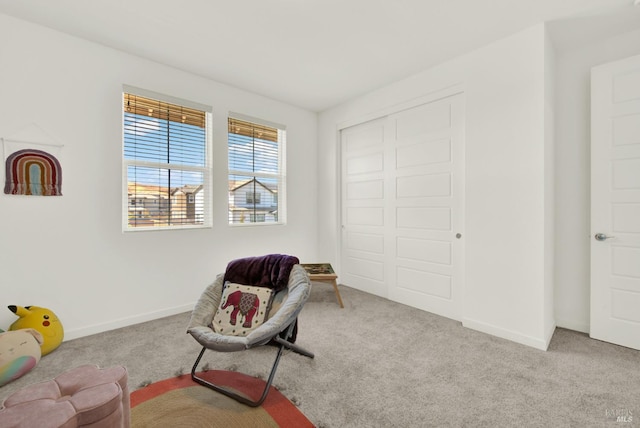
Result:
x=364 y=219
x=402 y=206
x=615 y=202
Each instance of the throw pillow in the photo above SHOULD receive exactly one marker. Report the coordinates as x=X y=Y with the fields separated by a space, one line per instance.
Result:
x=242 y=309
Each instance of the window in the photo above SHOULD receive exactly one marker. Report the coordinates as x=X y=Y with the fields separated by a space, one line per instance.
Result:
x=166 y=162
x=253 y=197
x=257 y=218
x=256 y=171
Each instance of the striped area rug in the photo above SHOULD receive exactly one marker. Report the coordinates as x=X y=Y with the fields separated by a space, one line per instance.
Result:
x=180 y=402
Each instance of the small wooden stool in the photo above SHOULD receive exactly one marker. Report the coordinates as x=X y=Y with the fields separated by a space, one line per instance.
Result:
x=323 y=272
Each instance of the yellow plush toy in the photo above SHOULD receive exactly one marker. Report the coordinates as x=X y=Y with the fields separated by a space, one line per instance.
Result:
x=42 y=320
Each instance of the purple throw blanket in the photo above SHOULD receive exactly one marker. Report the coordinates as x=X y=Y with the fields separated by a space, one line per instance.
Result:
x=270 y=271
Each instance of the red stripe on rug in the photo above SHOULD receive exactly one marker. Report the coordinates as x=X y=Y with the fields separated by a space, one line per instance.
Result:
x=283 y=412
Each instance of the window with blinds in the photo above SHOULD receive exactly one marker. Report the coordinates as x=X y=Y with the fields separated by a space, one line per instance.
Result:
x=256 y=171
x=166 y=162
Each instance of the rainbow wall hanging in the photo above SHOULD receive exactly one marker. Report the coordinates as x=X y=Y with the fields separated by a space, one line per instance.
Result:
x=33 y=172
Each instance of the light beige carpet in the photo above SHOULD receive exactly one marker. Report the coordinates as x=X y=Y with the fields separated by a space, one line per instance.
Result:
x=382 y=364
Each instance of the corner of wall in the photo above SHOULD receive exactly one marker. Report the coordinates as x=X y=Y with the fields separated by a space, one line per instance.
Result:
x=549 y=183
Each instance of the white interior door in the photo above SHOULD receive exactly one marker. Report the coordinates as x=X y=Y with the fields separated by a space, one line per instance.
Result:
x=402 y=206
x=615 y=202
x=362 y=264
x=426 y=197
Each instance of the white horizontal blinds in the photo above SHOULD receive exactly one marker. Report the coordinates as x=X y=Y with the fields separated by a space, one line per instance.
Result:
x=165 y=155
x=256 y=172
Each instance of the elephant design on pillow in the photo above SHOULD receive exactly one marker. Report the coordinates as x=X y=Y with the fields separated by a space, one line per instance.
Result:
x=247 y=304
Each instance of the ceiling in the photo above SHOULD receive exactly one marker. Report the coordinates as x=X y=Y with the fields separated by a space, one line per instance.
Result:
x=316 y=54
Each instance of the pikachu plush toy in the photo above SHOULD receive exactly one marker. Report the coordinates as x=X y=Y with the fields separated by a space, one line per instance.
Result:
x=42 y=320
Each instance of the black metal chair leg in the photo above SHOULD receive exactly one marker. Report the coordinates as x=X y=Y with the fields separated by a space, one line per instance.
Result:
x=289 y=345
x=294 y=347
x=232 y=394
x=242 y=399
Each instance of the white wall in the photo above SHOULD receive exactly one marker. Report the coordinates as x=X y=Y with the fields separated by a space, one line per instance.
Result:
x=573 y=237
x=506 y=218
x=68 y=253
x=76 y=260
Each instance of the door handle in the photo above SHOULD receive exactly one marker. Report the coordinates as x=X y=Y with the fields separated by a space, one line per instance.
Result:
x=602 y=237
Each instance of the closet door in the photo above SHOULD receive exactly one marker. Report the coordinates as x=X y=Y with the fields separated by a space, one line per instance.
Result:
x=402 y=206
x=427 y=207
x=363 y=207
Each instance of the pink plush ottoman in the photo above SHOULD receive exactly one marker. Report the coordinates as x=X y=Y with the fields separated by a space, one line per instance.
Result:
x=86 y=396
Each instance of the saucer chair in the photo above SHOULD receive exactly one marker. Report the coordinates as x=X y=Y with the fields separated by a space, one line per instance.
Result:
x=289 y=286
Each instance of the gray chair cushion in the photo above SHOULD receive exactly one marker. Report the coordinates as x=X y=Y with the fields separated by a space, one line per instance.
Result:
x=297 y=293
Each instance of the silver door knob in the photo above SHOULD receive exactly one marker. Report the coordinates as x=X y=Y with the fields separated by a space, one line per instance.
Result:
x=602 y=237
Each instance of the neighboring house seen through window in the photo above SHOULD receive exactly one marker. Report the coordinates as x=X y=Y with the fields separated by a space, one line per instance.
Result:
x=166 y=162
x=253 y=197
x=256 y=171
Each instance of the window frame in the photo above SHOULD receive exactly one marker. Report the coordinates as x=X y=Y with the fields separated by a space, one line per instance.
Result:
x=206 y=170
x=280 y=176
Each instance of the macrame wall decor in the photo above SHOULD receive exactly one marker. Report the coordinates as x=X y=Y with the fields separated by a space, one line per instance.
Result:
x=30 y=170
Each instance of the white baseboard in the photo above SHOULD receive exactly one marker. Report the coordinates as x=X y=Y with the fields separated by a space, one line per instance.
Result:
x=549 y=335
x=514 y=336
x=125 y=322
x=573 y=325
